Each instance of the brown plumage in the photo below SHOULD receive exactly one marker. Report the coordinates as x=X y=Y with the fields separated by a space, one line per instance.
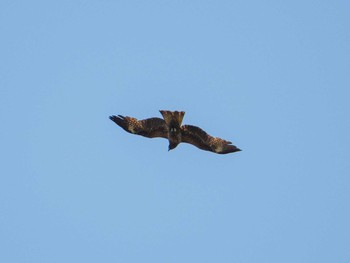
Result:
x=151 y=128
x=196 y=136
x=173 y=120
x=172 y=129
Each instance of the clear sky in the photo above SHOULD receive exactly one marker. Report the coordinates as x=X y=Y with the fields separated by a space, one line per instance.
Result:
x=271 y=76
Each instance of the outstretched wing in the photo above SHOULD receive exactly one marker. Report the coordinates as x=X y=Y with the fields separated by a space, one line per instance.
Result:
x=196 y=136
x=150 y=128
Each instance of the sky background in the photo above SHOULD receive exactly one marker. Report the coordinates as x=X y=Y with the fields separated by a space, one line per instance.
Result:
x=271 y=76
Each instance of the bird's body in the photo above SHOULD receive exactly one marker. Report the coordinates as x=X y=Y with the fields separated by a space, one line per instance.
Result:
x=171 y=128
x=173 y=120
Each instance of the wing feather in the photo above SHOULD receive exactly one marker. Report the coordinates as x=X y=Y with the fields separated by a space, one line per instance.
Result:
x=199 y=138
x=150 y=128
x=195 y=136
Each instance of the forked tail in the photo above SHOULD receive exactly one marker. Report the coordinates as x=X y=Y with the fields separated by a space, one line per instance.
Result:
x=173 y=118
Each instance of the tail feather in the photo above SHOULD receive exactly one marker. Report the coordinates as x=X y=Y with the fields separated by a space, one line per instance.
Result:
x=173 y=117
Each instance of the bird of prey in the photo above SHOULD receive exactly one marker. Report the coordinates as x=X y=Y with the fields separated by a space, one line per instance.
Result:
x=171 y=128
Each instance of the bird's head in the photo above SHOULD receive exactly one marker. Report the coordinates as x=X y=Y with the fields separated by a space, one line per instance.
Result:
x=172 y=145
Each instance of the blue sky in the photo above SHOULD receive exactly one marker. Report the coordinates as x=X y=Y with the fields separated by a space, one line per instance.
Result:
x=271 y=76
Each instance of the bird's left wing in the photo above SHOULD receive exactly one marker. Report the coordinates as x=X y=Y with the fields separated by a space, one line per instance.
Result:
x=151 y=128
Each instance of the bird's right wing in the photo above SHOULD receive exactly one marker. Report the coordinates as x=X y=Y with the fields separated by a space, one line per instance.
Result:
x=196 y=136
x=151 y=128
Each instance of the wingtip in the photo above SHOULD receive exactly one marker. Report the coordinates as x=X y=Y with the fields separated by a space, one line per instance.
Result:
x=117 y=119
x=230 y=149
x=235 y=149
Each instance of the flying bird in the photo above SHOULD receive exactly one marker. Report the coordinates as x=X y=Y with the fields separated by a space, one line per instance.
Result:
x=171 y=128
